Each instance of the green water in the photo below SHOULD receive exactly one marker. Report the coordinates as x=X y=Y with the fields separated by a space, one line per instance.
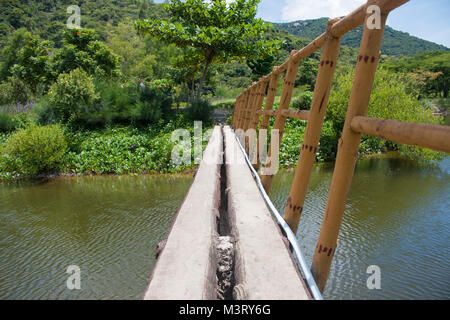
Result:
x=108 y=226
x=397 y=217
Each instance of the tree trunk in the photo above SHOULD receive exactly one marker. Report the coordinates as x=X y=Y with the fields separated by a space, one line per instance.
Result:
x=209 y=58
x=192 y=93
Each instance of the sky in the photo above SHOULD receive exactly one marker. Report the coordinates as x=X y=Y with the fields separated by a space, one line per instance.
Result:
x=426 y=19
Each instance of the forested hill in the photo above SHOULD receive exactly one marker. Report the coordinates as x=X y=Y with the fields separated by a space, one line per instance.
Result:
x=395 y=43
x=47 y=18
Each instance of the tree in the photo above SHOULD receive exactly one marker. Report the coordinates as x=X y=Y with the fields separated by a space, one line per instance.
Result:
x=27 y=57
x=260 y=66
x=82 y=50
x=220 y=31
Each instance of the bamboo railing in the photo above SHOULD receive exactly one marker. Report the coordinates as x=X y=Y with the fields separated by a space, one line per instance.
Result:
x=248 y=111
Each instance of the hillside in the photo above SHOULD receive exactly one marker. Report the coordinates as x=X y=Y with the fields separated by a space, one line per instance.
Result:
x=395 y=43
x=48 y=18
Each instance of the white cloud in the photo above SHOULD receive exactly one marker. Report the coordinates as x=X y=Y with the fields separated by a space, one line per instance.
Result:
x=312 y=9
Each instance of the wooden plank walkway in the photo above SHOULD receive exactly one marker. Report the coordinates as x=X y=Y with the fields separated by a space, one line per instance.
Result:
x=263 y=265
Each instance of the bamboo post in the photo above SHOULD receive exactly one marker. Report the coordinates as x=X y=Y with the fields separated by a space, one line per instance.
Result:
x=280 y=121
x=235 y=115
x=327 y=65
x=270 y=99
x=245 y=102
x=250 y=105
x=255 y=117
x=238 y=111
x=348 y=146
x=248 y=114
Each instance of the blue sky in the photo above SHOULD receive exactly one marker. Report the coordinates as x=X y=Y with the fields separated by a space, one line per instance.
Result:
x=426 y=19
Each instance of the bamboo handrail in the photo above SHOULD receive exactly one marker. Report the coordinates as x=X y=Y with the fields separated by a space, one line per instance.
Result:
x=280 y=121
x=430 y=136
x=347 y=151
x=356 y=123
x=294 y=114
x=327 y=66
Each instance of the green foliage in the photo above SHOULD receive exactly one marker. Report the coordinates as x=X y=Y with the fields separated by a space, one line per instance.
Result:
x=389 y=99
x=72 y=94
x=26 y=57
x=82 y=50
x=123 y=150
x=429 y=70
x=307 y=72
x=14 y=117
x=48 y=18
x=155 y=100
x=217 y=29
x=7 y=121
x=225 y=105
x=222 y=30
x=14 y=90
x=34 y=150
x=79 y=100
x=45 y=113
x=200 y=110
x=302 y=101
x=136 y=61
x=261 y=66
x=292 y=139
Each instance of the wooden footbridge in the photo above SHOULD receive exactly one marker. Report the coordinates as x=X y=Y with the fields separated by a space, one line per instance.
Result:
x=228 y=241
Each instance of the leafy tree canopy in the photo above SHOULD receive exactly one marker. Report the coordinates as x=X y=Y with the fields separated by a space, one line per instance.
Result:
x=26 y=56
x=82 y=50
x=220 y=30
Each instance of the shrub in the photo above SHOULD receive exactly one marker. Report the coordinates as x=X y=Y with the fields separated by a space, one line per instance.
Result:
x=116 y=101
x=73 y=94
x=389 y=99
x=45 y=113
x=123 y=150
x=7 y=122
x=302 y=101
x=14 y=90
x=155 y=101
x=147 y=112
x=200 y=110
x=34 y=150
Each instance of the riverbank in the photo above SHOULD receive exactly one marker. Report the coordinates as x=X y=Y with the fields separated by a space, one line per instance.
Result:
x=126 y=150
x=113 y=151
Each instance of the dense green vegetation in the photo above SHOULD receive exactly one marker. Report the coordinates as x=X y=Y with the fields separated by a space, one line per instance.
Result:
x=395 y=43
x=219 y=32
x=107 y=97
x=430 y=69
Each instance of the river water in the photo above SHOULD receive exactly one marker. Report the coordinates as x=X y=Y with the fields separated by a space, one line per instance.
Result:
x=109 y=226
x=397 y=218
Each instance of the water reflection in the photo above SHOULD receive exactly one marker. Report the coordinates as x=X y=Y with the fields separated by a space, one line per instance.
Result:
x=109 y=226
x=397 y=217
